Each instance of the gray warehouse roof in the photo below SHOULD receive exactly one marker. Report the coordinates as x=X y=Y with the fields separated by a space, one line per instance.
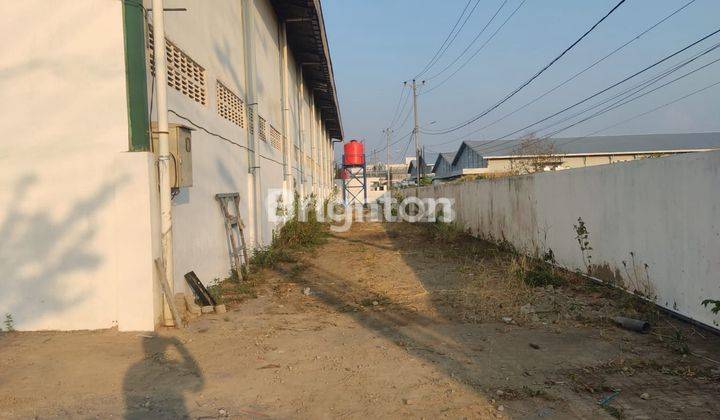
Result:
x=604 y=144
x=447 y=156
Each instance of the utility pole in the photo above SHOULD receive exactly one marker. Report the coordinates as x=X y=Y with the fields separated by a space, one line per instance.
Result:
x=388 y=132
x=416 y=132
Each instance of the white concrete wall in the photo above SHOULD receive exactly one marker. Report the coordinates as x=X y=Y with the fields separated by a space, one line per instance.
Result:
x=653 y=223
x=76 y=242
x=212 y=34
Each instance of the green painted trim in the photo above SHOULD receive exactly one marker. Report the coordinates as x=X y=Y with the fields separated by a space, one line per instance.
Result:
x=135 y=75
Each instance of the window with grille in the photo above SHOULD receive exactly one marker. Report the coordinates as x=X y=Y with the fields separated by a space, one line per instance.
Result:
x=184 y=74
x=262 y=134
x=229 y=105
x=276 y=139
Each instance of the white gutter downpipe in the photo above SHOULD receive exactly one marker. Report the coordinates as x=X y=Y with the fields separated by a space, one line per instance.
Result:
x=288 y=143
x=163 y=151
x=251 y=100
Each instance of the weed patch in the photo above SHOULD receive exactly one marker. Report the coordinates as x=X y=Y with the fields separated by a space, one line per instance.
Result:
x=535 y=272
x=9 y=323
x=294 y=236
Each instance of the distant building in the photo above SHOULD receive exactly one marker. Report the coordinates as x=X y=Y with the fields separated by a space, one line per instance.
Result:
x=443 y=165
x=412 y=168
x=532 y=155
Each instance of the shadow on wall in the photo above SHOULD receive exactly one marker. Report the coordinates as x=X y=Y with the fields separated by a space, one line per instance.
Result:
x=38 y=250
x=154 y=386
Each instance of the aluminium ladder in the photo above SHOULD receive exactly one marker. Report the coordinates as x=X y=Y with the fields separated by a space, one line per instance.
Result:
x=229 y=203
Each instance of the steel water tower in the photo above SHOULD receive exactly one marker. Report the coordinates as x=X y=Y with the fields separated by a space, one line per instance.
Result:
x=354 y=174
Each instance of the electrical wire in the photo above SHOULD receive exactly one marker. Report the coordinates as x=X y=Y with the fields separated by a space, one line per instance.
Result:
x=574 y=76
x=234 y=143
x=600 y=92
x=466 y=62
x=407 y=145
x=405 y=120
x=535 y=76
x=638 y=88
x=472 y=42
x=399 y=111
x=445 y=45
x=399 y=139
x=617 y=104
x=626 y=101
x=634 y=117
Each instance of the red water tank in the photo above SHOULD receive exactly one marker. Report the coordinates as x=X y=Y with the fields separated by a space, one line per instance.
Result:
x=354 y=153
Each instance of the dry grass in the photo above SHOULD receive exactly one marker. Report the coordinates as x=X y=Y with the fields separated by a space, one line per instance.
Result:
x=490 y=287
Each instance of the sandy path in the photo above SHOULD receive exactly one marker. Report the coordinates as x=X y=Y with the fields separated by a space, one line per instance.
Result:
x=383 y=334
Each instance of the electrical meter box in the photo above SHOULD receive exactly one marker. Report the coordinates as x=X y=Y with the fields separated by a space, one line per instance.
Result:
x=180 y=142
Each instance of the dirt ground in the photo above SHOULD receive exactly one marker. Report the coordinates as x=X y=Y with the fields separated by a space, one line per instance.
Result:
x=385 y=321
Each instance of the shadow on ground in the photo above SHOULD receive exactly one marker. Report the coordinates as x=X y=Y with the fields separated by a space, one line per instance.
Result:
x=155 y=386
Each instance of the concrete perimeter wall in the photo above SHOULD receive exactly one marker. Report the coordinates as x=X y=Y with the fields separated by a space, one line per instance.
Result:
x=653 y=224
x=76 y=208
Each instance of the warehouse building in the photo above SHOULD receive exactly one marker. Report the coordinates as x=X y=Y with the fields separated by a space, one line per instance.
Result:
x=508 y=157
x=252 y=109
x=442 y=168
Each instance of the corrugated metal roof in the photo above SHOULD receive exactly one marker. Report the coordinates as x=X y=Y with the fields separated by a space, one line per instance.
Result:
x=606 y=144
x=446 y=156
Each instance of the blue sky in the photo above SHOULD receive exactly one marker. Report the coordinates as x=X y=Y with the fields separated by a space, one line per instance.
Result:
x=376 y=45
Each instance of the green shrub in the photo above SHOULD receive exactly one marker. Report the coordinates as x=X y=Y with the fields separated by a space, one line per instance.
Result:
x=541 y=274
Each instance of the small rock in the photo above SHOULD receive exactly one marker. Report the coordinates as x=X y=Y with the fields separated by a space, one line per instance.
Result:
x=500 y=392
x=306 y=291
x=220 y=309
x=527 y=309
x=375 y=303
x=208 y=309
x=507 y=319
x=535 y=346
x=222 y=413
x=645 y=396
x=501 y=408
x=408 y=401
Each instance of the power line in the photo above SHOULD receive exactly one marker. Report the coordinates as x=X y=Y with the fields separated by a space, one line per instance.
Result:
x=619 y=103
x=634 y=117
x=407 y=146
x=535 y=76
x=398 y=111
x=406 y=119
x=576 y=75
x=600 y=92
x=472 y=42
x=450 y=38
x=466 y=62
x=457 y=22
x=638 y=87
x=396 y=141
